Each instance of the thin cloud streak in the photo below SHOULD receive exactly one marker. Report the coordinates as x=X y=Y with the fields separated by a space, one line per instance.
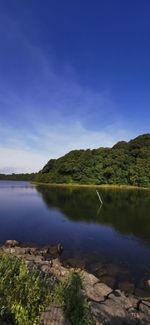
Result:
x=42 y=93
x=44 y=113
x=29 y=153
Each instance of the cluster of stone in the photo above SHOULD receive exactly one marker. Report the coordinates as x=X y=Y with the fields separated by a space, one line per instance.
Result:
x=107 y=306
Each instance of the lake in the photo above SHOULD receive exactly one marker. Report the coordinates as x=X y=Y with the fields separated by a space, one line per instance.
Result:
x=112 y=240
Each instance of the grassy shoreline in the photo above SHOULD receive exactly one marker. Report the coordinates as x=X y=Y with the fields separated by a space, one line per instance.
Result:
x=103 y=186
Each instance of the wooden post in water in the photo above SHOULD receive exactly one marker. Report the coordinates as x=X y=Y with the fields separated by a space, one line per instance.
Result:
x=99 y=197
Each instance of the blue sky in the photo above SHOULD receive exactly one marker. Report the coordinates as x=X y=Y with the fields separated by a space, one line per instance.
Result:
x=73 y=74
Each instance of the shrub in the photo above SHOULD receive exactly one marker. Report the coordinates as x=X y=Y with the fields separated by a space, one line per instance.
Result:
x=24 y=293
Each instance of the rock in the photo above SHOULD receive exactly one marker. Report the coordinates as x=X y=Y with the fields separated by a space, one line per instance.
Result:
x=131 y=302
x=103 y=289
x=11 y=243
x=126 y=286
x=75 y=263
x=89 y=278
x=111 y=312
x=64 y=271
x=99 y=269
x=107 y=306
x=46 y=268
x=35 y=259
x=53 y=315
x=109 y=280
x=58 y=270
x=108 y=312
x=18 y=251
x=144 y=319
x=144 y=313
x=134 y=314
x=148 y=284
x=144 y=306
x=123 y=300
x=146 y=302
x=91 y=294
x=55 y=250
x=98 y=292
x=47 y=257
x=141 y=293
x=56 y=263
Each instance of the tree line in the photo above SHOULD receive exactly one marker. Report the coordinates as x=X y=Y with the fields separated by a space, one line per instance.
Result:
x=125 y=163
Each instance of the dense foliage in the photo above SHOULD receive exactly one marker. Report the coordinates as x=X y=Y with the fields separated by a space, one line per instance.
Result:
x=25 y=292
x=125 y=163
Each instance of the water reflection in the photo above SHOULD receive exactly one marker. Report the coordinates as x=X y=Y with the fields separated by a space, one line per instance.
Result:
x=128 y=212
x=113 y=241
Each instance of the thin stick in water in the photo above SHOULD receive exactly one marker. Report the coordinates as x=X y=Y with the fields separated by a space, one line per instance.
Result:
x=99 y=197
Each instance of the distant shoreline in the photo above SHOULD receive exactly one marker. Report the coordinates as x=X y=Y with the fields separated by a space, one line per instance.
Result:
x=103 y=186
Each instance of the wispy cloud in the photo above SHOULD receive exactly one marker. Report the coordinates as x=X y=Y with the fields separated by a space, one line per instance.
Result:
x=45 y=113
x=29 y=152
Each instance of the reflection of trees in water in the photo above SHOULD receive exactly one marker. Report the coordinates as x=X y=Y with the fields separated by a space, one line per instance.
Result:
x=127 y=211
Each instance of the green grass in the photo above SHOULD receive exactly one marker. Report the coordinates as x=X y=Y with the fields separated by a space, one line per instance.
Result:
x=68 y=294
x=105 y=186
x=25 y=292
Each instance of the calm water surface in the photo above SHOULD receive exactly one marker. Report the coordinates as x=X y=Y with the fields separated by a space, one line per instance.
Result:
x=116 y=235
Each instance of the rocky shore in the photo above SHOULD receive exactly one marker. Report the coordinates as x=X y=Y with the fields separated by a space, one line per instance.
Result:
x=107 y=306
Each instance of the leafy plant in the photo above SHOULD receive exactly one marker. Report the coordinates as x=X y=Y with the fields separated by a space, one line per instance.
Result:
x=24 y=293
x=69 y=295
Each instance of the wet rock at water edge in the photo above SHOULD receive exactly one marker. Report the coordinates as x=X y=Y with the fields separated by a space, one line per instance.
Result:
x=127 y=286
x=144 y=308
x=58 y=269
x=148 y=284
x=98 y=269
x=54 y=251
x=75 y=263
x=142 y=293
x=97 y=292
x=126 y=301
x=109 y=280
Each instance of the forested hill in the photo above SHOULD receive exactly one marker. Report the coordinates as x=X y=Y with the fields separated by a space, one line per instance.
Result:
x=124 y=163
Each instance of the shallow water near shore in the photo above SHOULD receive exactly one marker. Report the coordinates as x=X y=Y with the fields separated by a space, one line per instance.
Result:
x=112 y=241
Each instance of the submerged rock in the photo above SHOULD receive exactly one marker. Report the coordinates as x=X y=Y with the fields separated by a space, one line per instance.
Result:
x=127 y=286
x=55 y=250
x=109 y=280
